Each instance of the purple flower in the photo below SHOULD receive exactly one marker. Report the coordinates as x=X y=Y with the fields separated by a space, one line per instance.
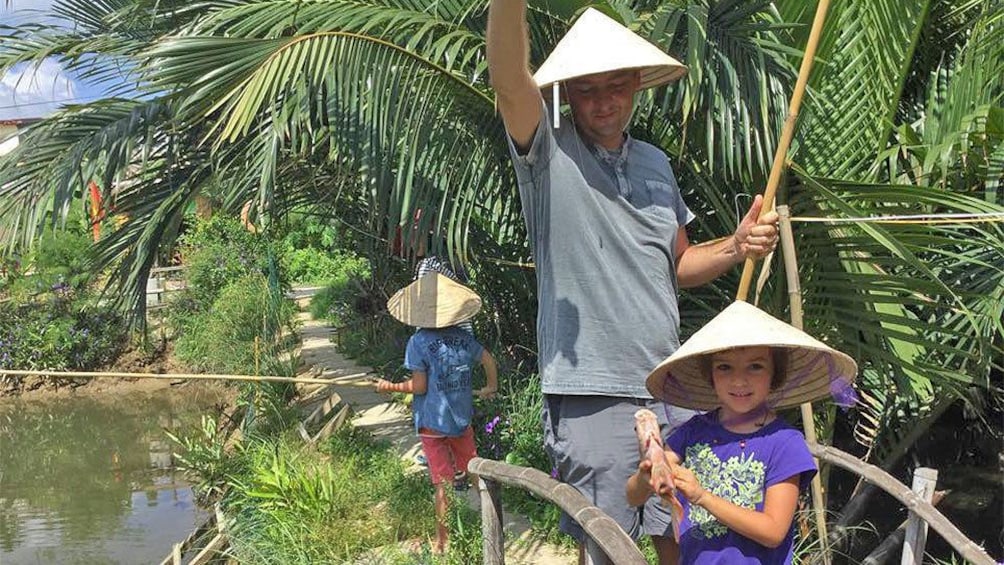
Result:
x=490 y=426
x=554 y=472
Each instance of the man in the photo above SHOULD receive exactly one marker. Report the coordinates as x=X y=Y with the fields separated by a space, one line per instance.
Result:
x=607 y=225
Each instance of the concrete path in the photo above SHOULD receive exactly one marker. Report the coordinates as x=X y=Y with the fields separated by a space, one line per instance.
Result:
x=392 y=422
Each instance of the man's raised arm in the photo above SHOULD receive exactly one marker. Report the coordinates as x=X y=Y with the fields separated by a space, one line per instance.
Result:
x=508 y=48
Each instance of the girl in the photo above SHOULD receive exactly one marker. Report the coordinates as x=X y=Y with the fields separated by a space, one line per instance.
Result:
x=738 y=469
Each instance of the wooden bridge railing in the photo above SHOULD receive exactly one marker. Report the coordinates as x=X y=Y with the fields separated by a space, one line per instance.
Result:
x=967 y=548
x=621 y=549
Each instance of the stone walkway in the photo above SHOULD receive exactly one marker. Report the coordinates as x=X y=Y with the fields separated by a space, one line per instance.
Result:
x=392 y=422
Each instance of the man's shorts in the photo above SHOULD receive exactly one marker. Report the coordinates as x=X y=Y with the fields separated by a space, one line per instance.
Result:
x=447 y=454
x=592 y=443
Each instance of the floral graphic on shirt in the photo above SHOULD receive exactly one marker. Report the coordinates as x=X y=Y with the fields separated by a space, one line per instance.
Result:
x=739 y=480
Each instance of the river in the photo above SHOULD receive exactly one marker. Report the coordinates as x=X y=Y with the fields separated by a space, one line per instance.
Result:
x=90 y=478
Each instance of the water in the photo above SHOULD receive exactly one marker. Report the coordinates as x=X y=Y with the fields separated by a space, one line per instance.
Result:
x=85 y=480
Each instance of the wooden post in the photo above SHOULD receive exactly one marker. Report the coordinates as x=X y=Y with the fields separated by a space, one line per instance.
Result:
x=492 y=536
x=808 y=420
x=787 y=132
x=891 y=545
x=618 y=546
x=924 y=481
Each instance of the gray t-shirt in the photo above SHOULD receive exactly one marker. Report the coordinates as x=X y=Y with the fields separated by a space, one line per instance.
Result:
x=603 y=228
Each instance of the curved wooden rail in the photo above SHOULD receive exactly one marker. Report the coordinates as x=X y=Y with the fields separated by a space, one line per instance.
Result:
x=967 y=548
x=619 y=547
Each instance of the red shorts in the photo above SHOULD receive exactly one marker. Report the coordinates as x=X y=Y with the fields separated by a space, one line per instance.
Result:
x=447 y=454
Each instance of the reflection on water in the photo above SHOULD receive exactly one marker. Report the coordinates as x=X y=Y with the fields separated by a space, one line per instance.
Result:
x=83 y=481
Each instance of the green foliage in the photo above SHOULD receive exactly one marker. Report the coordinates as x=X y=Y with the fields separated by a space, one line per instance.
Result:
x=222 y=339
x=217 y=252
x=310 y=265
x=464 y=526
x=507 y=428
x=51 y=319
x=60 y=259
x=203 y=456
x=294 y=506
x=59 y=334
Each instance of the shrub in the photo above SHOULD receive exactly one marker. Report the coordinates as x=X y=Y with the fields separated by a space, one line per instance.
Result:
x=217 y=252
x=222 y=339
x=58 y=263
x=313 y=266
x=59 y=333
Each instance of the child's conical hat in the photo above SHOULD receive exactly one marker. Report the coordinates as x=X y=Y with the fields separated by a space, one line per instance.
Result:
x=598 y=44
x=815 y=370
x=434 y=301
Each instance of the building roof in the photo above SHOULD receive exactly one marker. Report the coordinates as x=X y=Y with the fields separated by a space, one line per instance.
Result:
x=19 y=121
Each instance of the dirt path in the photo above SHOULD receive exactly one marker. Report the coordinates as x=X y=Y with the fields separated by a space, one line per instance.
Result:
x=392 y=422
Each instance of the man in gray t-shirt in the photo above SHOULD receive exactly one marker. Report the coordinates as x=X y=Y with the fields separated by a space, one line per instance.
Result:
x=607 y=226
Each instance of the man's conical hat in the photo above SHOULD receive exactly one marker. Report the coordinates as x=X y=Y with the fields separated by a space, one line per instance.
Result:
x=434 y=301
x=815 y=370
x=598 y=44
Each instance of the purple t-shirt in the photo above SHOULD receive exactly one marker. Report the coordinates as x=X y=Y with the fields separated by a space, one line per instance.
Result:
x=738 y=468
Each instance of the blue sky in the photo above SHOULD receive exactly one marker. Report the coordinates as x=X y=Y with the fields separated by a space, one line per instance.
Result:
x=30 y=91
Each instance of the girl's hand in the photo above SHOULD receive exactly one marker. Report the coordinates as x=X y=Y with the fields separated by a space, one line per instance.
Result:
x=383 y=385
x=688 y=484
x=485 y=393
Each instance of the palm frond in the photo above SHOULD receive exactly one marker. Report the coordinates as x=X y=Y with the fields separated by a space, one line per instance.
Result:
x=865 y=56
x=733 y=100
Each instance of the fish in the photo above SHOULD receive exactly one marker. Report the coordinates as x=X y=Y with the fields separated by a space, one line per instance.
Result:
x=650 y=447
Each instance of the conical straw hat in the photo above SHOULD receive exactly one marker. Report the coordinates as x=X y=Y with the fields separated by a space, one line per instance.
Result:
x=598 y=44
x=815 y=370
x=434 y=301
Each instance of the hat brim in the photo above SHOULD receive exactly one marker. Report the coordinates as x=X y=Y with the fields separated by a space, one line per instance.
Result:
x=651 y=77
x=814 y=369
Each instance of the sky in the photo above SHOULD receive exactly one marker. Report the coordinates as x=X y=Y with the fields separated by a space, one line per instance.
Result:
x=35 y=91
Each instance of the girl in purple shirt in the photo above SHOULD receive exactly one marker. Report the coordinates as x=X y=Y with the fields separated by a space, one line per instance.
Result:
x=738 y=469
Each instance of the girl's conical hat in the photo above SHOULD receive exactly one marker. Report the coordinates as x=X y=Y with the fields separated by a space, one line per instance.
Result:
x=434 y=301
x=598 y=44
x=815 y=370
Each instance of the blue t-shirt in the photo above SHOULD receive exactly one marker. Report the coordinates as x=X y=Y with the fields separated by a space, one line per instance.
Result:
x=738 y=468
x=446 y=356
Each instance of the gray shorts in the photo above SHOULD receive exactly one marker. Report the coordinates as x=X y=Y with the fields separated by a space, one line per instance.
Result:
x=592 y=443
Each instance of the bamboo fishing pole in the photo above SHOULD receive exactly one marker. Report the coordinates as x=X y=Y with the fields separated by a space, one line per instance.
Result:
x=341 y=381
x=781 y=155
x=776 y=171
x=808 y=420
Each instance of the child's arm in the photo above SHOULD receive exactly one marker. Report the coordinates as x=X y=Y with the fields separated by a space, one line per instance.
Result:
x=768 y=528
x=492 y=372
x=417 y=384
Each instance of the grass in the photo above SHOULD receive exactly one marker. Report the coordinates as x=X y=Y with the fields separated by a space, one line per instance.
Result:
x=351 y=500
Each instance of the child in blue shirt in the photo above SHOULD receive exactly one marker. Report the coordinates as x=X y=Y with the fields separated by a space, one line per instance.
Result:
x=441 y=356
x=738 y=469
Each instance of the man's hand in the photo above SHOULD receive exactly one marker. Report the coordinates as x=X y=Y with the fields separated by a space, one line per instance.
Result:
x=756 y=238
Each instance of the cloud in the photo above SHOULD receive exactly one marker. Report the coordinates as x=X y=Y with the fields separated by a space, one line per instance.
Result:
x=30 y=91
